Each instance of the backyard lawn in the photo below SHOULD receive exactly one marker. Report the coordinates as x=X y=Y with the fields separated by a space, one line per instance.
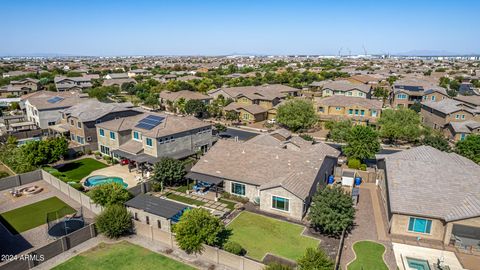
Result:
x=33 y=215
x=121 y=256
x=76 y=170
x=369 y=255
x=259 y=234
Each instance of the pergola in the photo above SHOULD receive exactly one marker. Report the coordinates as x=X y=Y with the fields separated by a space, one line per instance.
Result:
x=212 y=180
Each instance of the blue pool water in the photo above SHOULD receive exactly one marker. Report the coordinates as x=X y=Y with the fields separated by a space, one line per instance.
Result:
x=96 y=180
x=418 y=264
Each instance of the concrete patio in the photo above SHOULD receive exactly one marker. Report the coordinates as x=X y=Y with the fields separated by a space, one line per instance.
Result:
x=131 y=178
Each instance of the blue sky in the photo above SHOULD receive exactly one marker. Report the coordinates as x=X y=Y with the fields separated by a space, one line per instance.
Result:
x=225 y=27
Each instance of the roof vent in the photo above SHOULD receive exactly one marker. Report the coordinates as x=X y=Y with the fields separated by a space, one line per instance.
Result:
x=276 y=157
x=205 y=160
x=243 y=151
x=218 y=172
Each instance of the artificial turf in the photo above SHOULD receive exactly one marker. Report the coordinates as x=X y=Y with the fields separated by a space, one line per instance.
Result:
x=260 y=235
x=121 y=256
x=369 y=255
x=32 y=215
x=76 y=170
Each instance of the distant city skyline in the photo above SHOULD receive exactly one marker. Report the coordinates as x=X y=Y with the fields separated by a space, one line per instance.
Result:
x=109 y=28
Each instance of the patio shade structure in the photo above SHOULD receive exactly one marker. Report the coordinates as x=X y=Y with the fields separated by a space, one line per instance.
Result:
x=467 y=237
x=214 y=181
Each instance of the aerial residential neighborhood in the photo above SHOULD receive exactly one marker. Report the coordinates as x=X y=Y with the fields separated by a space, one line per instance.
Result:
x=263 y=135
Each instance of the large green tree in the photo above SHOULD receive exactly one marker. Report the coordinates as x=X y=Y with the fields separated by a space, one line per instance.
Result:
x=169 y=171
x=470 y=147
x=195 y=107
x=108 y=194
x=362 y=143
x=114 y=221
x=197 y=227
x=437 y=141
x=315 y=259
x=37 y=153
x=331 y=211
x=297 y=114
x=400 y=125
x=338 y=130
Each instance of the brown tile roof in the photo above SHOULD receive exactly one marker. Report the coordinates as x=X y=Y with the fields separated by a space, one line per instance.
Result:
x=349 y=101
x=186 y=94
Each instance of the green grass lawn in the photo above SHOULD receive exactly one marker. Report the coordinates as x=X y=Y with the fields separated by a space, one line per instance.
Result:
x=121 y=256
x=182 y=199
x=33 y=215
x=259 y=234
x=369 y=255
x=76 y=170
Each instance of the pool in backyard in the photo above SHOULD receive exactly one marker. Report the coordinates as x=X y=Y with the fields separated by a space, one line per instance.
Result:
x=417 y=264
x=97 y=180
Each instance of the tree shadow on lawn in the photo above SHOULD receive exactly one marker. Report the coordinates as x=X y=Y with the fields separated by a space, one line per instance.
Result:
x=68 y=166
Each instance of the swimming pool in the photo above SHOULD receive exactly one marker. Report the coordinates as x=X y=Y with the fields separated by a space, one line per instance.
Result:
x=97 y=180
x=418 y=264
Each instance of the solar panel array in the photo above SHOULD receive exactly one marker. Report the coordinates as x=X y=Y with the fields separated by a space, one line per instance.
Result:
x=54 y=99
x=150 y=122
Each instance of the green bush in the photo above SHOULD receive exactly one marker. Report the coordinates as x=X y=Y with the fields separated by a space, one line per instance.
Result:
x=114 y=221
x=354 y=163
x=234 y=247
x=3 y=174
x=77 y=186
x=363 y=167
x=227 y=195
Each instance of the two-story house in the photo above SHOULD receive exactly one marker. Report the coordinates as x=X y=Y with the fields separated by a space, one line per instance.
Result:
x=80 y=119
x=20 y=87
x=168 y=98
x=341 y=88
x=357 y=109
x=44 y=108
x=138 y=72
x=147 y=137
x=72 y=83
x=253 y=103
x=407 y=92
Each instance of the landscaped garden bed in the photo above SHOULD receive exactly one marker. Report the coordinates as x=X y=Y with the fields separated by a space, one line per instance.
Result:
x=260 y=235
x=120 y=256
x=368 y=255
x=33 y=215
x=183 y=199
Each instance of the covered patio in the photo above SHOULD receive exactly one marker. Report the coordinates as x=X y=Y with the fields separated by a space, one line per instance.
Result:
x=466 y=238
x=205 y=183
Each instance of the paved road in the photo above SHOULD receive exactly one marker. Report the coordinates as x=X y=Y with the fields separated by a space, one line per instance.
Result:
x=242 y=135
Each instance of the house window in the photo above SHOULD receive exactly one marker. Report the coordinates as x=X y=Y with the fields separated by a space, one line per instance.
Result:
x=51 y=123
x=362 y=112
x=360 y=94
x=238 y=189
x=80 y=140
x=463 y=116
x=457 y=116
x=280 y=203
x=135 y=216
x=419 y=225
x=71 y=123
x=433 y=98
x=356 y=112
x=320 y=109
x=462 y=136
x=112 y=135
x=159 y=224
x=349 y=93
x=102 y=132
x=374 y=113
x=338 y=108
x=79 y=124
x=105 y=150
x=147 y=220
x=402 y=96
x=149 y=142
x=350 y=111
x=72 y=136
x=246 y=116
x=136 y=136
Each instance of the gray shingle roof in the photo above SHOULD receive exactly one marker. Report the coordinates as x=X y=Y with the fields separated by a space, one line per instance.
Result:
x=427 y=182
x=92 y=109
x=157 y=206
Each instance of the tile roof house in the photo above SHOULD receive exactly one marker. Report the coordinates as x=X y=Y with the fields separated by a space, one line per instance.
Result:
x=342 y=88
x=147 y=137
x=72 y=83
x=252 y=103
x=280 y=175
x=44 y=107
x=168 y=97
x=408 y=91
x=438 y=114
x=80 y=119
x=20 y=87
x=357 y=109
x=431 y=194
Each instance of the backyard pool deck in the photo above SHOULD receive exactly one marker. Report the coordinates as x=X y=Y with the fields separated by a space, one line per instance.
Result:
x=403 y=251
x=118 y=171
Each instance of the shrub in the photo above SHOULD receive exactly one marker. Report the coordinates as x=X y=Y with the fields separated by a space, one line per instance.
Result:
x=354 y=163
x=77 y=186
x=3 y=174
x=315 y=259
x=307 y=137
x=363 y=167
x=114 y=221
x=234 y=247
x=108 y=194
x=230 y=196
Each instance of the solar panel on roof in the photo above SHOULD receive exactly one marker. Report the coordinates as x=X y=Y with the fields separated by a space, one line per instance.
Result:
x=155 y=117
x=150 y=122
x=54 y=99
